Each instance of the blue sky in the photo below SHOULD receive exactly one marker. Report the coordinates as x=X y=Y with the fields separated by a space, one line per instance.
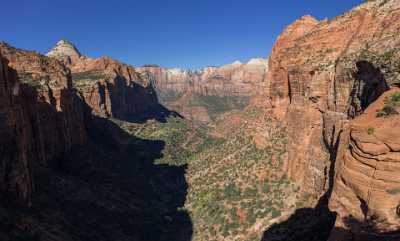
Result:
x=171 y=33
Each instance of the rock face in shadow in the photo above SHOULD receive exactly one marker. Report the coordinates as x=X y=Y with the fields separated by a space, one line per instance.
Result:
x=109 y=87
x=109 y=189
x=68 y=174
x=306 y=224
x=41 y=118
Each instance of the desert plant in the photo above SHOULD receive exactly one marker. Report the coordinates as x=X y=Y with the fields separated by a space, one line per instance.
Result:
x=371 y=131
x=391 y=103
x=394 y=191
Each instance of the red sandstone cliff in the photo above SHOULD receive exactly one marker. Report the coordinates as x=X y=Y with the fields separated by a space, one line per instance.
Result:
x=367 y=183
x=109 y=87
x=321 y=75
x=41 y=118
x=324 y=72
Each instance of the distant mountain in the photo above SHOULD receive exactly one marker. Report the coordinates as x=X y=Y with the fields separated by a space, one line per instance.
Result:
x=64 y=50
x=235 y=79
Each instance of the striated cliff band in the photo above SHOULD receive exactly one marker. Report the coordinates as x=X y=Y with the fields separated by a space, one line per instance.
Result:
x=109 y=87
x=42 y=117
x=322 y=75
x=235 y=79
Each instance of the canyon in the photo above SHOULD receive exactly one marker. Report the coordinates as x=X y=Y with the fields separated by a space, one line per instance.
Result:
x=302 y=145
x=201 y=95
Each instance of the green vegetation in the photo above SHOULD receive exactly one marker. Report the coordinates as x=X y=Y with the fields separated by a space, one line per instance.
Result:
x=232 y=184
x=181 y=140
x=387 y=56
x=216 y=105
x=391 y=104
x=169 y=96
x=88 y=76
x=29 y=79
x=371 y=131
x=394 y=191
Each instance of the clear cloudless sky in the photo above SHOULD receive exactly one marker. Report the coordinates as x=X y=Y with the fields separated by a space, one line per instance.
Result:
x=170 y=33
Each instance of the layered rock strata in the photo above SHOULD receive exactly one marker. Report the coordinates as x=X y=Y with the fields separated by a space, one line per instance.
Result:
x=42 y=117
x=324 y=72
x=109 y=87
x=366 y=192
x=234 y=79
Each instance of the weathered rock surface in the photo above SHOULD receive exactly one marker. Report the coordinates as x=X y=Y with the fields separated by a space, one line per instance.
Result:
x=41 y=118
x=81 y=175
x=234 y=79
x=321 y=75
x=109 y=87
x=65 y=51
x=324 y=72
x=366 y=192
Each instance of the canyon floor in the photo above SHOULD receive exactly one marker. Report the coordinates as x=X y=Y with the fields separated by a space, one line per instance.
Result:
x=176 y=179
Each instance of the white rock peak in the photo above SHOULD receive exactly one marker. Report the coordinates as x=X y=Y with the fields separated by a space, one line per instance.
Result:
x=237 y=62
x=63 y=49
x=258 y=61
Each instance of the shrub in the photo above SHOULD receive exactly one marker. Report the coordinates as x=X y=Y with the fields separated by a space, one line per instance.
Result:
x=216 y=105
x=29 y=79
x=266 y=187
x=394 y=191
x=231 y=191
x=275 y=213
x=391 y=103
x=88 y=75
x=371 y=131
x=388 y=55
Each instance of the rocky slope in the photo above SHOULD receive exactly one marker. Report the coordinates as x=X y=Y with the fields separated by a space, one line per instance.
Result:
x=323 y=74
x=235 y=79
x=42 y=118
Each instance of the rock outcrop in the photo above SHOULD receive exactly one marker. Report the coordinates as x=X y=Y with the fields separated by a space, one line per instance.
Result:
x=65 y=51
x=109 y=87
x=41 y=115
x=324 y=72
x=367 y=183
x=235 y=79
x=321 y=75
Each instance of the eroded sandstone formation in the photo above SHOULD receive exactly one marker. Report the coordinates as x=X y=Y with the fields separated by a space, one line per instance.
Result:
x=109 y=87
x=235 y=79
x=42 y=117
x=366 y=192
x=322 y=74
